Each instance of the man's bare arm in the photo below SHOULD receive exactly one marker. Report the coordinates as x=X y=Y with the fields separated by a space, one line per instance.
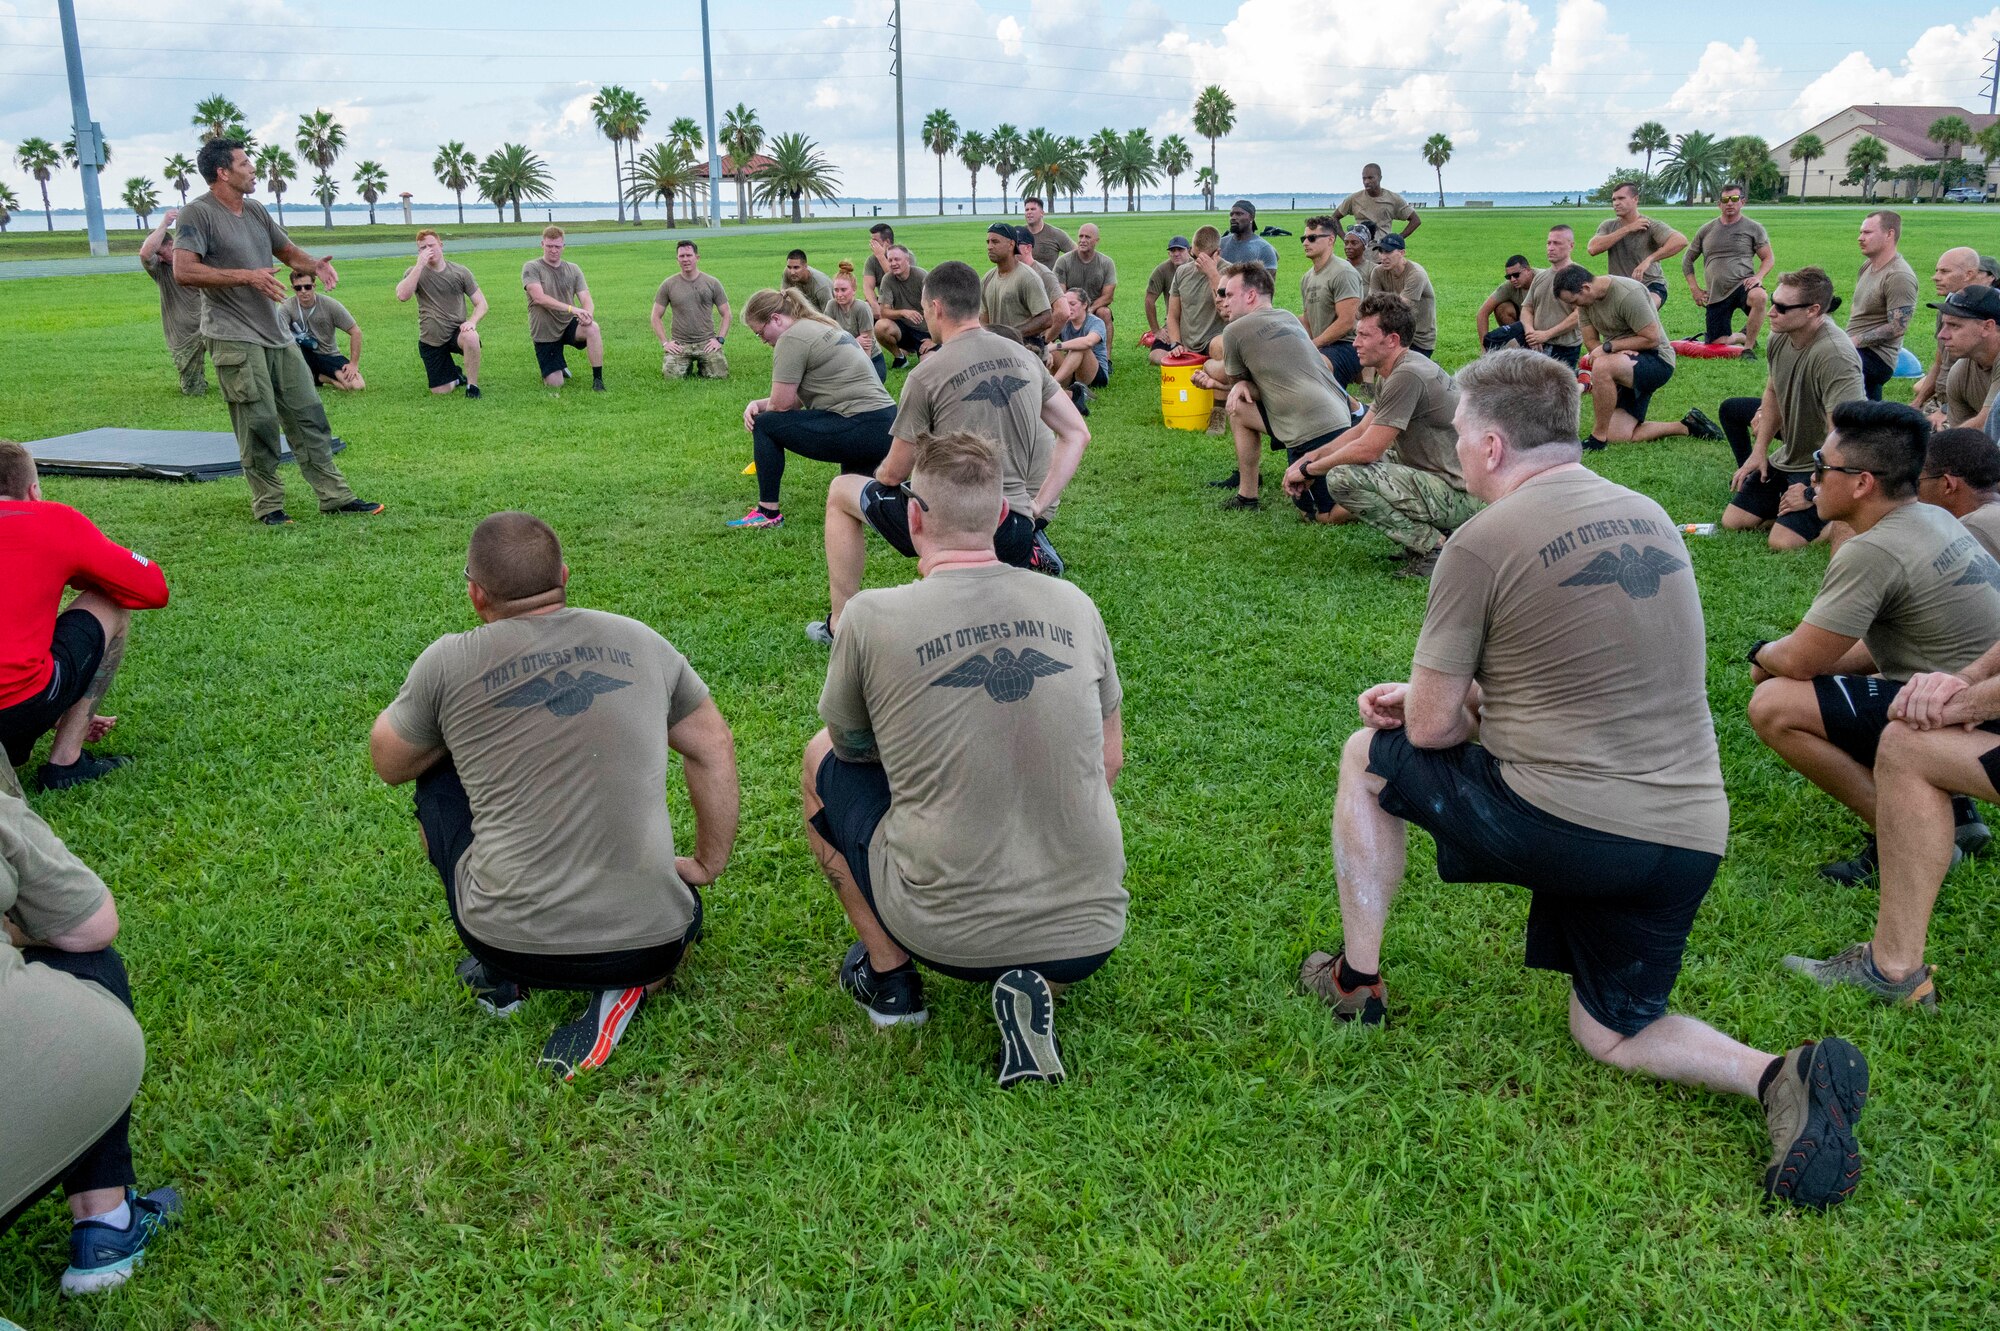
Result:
x=708 y=765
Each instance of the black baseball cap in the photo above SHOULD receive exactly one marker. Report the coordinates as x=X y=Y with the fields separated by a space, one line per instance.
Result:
x=1179 y=243
x=1973 y=302
x=1245 y=205
x=1001 y=229
x=1389 y=240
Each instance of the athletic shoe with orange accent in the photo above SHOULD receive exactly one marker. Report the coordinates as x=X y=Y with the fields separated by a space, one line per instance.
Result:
x=1369 y=1004
x=586 y=1042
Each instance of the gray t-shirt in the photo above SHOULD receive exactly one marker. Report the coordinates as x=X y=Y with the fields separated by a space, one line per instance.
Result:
x=694 y=302
x=982 y=383
x=830 y=369
x=1092 y=275
x=1102 y=347
x=1627 y=310
x=1301 y=399
x=986 y=689
x=320 y=322
x=1625 y=253
x=1728 y=253
x=815 y=286
x=1415 y=287
x=1200 y=320
x=1879 y=296
x=1012 y=299
x=221 y=239
x=442 y=294
x=563 y=282
x=1322 y=289
x=1917 y=588
x=1418 y=398
x=1252 y=248
x=180 y=307
x=903 y=293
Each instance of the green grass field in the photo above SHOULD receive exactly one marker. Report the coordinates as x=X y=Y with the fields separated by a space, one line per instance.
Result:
x=361 y=1148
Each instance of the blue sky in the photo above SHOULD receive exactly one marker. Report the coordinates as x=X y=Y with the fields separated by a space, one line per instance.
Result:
x=1535 y=94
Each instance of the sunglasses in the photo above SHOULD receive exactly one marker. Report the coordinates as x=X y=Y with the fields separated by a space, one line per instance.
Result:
x=302 y=286
x=1821 y=467
x=1779 y=307
x=1314 y=235
x=911 y=495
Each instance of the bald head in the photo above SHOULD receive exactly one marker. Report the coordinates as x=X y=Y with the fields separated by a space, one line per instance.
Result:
x=1956 y=268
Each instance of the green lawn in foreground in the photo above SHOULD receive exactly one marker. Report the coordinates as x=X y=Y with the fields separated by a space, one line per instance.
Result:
x=361 y=1148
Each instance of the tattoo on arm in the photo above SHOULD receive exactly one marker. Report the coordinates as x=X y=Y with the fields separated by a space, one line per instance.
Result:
x=107 y=669
x=855 y=746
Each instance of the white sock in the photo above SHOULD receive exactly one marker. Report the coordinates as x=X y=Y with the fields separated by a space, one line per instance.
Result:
x=118 y=1217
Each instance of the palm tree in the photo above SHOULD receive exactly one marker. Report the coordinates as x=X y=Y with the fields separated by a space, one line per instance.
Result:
x=665 y=171
x=215 y=116
x=1437 y=151
x=1695 y=165
x=633 y=115
x=1649 y=138
x=374 y=183
x=1865 y=158
x=511 y=174
x=1042 y=166
x=1950 y=133
x=1806 y=149
x=1989 y=144
x=326 y=189
x=1072 y=161
x=1005 y=146
x=320 y=140
x=69 y=153
x=1749 y=158
x=1214 y=116
x=743 y=138
x=142 y=199
x=940 y=135
x=38 y=157
x=605 y=111
x=279 y=169
x=1206 y=180
x=455 y=166
x=1138 y=166
x=1104 y=148
x=798 y=169
x=972 y=154
x=1175 y=157
x=177 y=170
x=9 y=205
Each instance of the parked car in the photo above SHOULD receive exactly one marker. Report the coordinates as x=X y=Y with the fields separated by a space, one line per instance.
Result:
x=1967 y=194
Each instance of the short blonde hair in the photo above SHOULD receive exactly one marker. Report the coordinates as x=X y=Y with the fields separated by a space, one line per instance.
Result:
x=552 y=233
x=1207 y=240
x=958 y=475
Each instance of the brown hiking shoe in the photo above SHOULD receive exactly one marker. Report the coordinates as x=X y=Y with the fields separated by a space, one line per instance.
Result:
x=1856 y=967
x=1368 y=1004
x=1418 y=566
x=1810 y=1107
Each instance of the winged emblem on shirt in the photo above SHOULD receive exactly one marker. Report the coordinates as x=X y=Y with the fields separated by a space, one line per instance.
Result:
x=1006 y=678
x=1637 y=575
x=999 y=389
x=1980 y=569
x=564 y=695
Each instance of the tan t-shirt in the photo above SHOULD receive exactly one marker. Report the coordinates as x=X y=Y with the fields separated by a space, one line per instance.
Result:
x=1728 y=254
x=1984 y=524
x=1508 y=294
x=1917 y=588
x=441 y=302
x=986 y=691
x=1302 y=400
x=981 y=383
x=1099 y=272
x=816 y=287
x=1050 y=287
x=1415 y=287
x=326 y=315
x=857 y=320
x=221 y=239
x=1012 y=298
x=1966 y=389
x=1627 y=311
x=1878 y=295
x=1200 y=320
x=695 y=302
x=558 y=725
x=1547 y=311
x=565 y=283
x=830 y=368
x=1051 y=243
x=1378 y=211
x=1810 y=383
x=906 y=293
x=1161 y=278
x=180 y=307
x=73 y=1055
x=1419 y=398
x=1322 y=289
x=1570 y=601
x=1625 y=253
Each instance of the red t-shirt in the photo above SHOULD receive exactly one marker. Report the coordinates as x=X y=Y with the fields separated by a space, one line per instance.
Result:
x=45 y=547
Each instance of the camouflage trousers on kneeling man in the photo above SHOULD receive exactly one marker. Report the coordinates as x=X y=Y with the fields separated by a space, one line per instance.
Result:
x=1415 y=509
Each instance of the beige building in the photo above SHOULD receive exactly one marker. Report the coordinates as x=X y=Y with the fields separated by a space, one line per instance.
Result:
x=1903 y=131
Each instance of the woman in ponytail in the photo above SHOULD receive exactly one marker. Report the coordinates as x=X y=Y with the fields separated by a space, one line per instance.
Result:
x=856 y=317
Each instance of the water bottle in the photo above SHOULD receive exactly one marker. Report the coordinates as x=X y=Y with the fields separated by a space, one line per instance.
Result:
x=1697 y=529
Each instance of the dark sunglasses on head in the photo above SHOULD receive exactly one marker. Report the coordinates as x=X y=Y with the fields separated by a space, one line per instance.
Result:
x=1821 y=467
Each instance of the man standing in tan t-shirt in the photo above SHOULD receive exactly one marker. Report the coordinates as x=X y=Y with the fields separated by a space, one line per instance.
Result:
x=1637 y=243
x=180 y=307
x=959 y=799
x=695 y=341
x=1885 y=296
x=1735 y=254
x=1377 y=207
x=1555 y=734
x=1050 y=242
x=1160 y=281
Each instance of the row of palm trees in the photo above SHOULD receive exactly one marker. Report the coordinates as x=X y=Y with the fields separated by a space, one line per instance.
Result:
x=1698 y=164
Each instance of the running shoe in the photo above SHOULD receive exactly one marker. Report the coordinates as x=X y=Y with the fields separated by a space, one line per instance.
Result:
x=758 y=517
x=1368 y=1004
x=358 y=506
x=1969 y=831
x=1237 y=501
x=1042 y=557
x=102 y=1257
x=1226 y=483
x=501 y=998
x=1025 y=1012
x=1699 y=425
x=1810 y=1107
x=276 y=518
x=890 y=998
x=586 y=1042
x=1856 y=967
x=87 y=767
x=817 y=631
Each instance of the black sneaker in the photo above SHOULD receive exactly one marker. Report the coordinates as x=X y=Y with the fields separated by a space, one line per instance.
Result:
x=1419 y=565
x=1238 y=502
x=472 y=391
x=87 y=767
x=1810 y=1109
x=1025 y=1011
x=501 y=998
x=586 y=1042
x=1227 y=482
x=358 y=506
x=890 y=998
x=597 y=386
x=1857 y=870
x=1969 y=831
x=1592 y=444
x=900 y=361
x=276 y=518
x=1699 y=425
x=1042 y=557
x=1080 y=399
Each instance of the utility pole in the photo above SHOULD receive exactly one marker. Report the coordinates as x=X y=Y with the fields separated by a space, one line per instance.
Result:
x=896 y=68
x=714 y=163
x=1992 y=88
x=89 y=134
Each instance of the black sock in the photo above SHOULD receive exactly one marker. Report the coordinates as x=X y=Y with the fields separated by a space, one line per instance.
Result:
x=772 y=509
x=1351 y=978
x=1770 y=1075
x=597 y=374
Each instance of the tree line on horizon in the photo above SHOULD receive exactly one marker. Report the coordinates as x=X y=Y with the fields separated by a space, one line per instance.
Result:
x=1697 y=164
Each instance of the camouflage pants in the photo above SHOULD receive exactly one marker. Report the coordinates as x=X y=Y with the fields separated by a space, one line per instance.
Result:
x=714 y=365
x=187 y=360
x=273 y=402
x=1413 y=508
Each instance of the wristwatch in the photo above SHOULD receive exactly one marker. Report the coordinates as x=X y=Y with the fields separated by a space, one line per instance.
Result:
x=1756 y=647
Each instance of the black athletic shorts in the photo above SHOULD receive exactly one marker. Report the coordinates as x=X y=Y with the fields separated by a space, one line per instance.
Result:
x=1989 y=761
x=1760 y=499
x=1659 y=289
x=1854 y=710
x=324 y=363
x=1100 y=377
x=856 y=798
x=1428 y=353
x=440 y=363
x=911 y=335
x=1345 y=363
x=1650 y=373
x=444 y=811
x=884 y=508
x=1611 y=912
x=76 y=650
x=1719 y=310
x=1568 y=355
x=549 y=355
x=1874 y=374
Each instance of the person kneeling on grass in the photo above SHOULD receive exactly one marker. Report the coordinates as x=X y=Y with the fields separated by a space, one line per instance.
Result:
x=826 y=402
x=1629 y=359
x=56 y=668
x=70 y=1055
x=1555 y=734
x=538 y=743
x=959 y=798
x=1911 y=592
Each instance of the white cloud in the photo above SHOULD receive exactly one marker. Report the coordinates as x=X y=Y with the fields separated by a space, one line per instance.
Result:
x=1936 y=71
x=1727 y=82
